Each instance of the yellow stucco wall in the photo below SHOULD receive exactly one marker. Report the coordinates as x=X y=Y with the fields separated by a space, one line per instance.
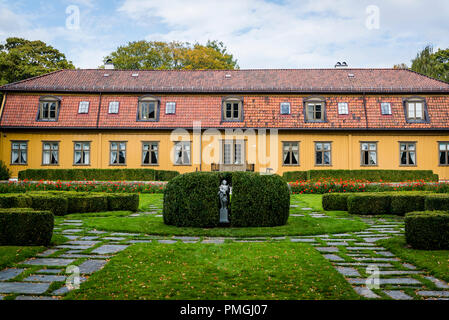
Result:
x=345 y=149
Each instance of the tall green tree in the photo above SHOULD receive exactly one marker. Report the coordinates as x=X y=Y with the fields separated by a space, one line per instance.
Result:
x=21 y=59
x=154 y=55
x=432 y=64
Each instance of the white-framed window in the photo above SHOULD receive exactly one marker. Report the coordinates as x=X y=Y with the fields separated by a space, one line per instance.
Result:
x=182 y=153
x=368 y=153
x=113 y=106
x=415 y=110
x=83 y=107
x=81 y=153
x=170 y=108
x=343 y=108
x=50 y=153
x=285 y=107
x=385 y=108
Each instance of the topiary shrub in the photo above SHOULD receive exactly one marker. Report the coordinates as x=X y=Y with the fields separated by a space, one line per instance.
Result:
x=14 y=200
x=427 y=230
x=122 y=201
x=259 y=200
x=25 y=227
x=86 y=202
x=437 y=202
x=5 y=174
x=369 y=204
x=56 y=204
x=403 y=203
x=191 y=200
x=335 y=201
x=295 y=176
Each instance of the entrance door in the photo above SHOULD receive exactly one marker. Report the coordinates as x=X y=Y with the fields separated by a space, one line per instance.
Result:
x=232 y=157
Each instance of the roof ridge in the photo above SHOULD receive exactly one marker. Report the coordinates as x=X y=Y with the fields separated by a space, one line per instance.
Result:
x=32 y=78
x=233 y=70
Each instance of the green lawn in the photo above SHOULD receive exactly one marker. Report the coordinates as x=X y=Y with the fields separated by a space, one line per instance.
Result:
x=154 y=225
x=206 y=271
x=12 y=254
x=435 y=262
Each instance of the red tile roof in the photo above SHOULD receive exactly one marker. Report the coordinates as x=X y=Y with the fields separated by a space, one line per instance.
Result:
x=233 y=81
x=260 y=111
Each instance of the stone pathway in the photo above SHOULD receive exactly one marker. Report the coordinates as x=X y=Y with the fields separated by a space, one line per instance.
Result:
x=355 y=255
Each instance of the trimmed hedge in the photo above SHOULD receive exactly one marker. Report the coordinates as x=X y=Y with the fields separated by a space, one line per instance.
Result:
x=122 y=201
x=398 y=203
x=295 y=176
x=97 y=174
x=436 y=202
x=369 y=175
x=427 y=230
x=25 y=227
x=335 y=201
x=191 y=200
x=62 y=203
x=14 y=200
x=369 y=204
x=58 y=205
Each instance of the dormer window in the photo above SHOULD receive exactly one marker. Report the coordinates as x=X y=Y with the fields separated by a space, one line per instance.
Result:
x=233 y=109
x=148 y=109
x=415 y=109
x=315 y=109
x=48 y=109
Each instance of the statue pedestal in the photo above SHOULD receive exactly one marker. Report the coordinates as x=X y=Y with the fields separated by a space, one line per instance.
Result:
x=224 y=215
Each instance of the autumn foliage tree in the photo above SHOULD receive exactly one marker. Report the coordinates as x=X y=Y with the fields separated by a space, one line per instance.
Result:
x=155 y=55
x=21 y=59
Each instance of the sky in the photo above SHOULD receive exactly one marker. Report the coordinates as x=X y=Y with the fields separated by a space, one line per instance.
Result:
x=259 y=33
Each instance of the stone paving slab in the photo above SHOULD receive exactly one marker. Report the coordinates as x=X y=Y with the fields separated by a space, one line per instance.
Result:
x=53 y=271
x=438 y=283
x=433 y=293
x=23 y=287
x=364 y=248
x=72 y=230
x=97 y=232
x=71 y=237
x=397 y=272
x=88 y=238
x=9 y=274
x=409 y=266
x=124 y=234
x=377 y=259
x=49 y=262
x=140 y=241
x=348 y=272
x=34 y=298
x=327 y=249
x=333 y=244
x=109 y=248
x=397 y=295
x=91 y=266
x=48 y=252
x=215 y=241
x=167 y=241
x=74 y=247
x=333 y=257
x=90 y=256
x=45 y=278
x=302 y=240
x=361 y=264
x=408 y=281
x=365 y=292
x=114 y=238
x=371 y=240
x=83 y=242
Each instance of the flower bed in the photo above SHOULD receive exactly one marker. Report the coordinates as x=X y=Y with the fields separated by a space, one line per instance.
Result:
x=338 y=185
x=83 y=186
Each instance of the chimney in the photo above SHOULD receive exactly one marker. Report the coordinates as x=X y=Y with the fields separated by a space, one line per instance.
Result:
x=109 y=65
x=341 y=65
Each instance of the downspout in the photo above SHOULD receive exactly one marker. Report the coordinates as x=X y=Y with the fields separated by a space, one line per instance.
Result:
x=366 y=112
x=3 y=106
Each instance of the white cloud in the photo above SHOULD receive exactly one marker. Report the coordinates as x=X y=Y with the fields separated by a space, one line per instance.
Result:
x=300 y=33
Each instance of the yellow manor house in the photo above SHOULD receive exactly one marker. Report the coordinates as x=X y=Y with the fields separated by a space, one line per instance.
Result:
x=255 y=120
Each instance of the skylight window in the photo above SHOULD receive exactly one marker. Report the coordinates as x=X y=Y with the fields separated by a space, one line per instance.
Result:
x=170 y=108
x=343 y=108
x=113 y=106
x=83 y=107
x=385 y=108
x=285 y=107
